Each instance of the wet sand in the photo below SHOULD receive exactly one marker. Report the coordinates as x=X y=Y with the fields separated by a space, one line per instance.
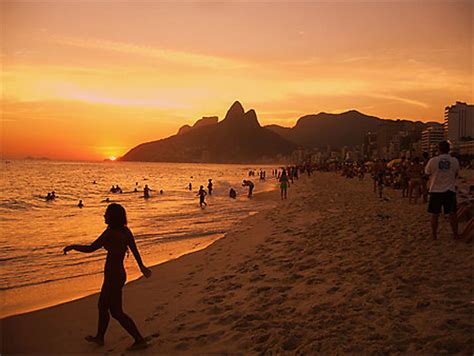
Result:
x=333 y=269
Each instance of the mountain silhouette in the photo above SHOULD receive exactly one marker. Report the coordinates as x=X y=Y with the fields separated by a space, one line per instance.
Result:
x=206 y=120
x=339 y=130
x=238 y=138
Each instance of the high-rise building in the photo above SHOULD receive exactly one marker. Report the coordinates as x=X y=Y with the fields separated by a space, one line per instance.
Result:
x=459 y=122
x=385 y=132
x=466 y=148
x=430 y=138
x=369 y=146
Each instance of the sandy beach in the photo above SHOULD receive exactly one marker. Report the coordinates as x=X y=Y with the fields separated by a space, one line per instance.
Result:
x=333 y=269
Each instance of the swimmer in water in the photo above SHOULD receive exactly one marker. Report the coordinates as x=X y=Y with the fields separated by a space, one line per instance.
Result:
x=146 y=192
x=190 y=186
x=232 y=193
x=116 y=240
x=80 y=205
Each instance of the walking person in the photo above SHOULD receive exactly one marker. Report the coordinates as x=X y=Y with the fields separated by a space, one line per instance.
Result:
x=283 y=184
x=443 y=171
x=202 y=196
x=116 y=239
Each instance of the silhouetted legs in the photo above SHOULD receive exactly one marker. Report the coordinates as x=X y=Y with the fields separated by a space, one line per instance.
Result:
x=111 y=300
x=452 y=220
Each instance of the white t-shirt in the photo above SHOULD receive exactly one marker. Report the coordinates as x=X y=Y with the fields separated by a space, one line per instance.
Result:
x=443 y=170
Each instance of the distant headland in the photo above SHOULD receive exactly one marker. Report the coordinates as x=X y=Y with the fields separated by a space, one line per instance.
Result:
x=32 y=158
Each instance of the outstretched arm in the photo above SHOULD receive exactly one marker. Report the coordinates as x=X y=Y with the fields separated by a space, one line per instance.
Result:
x=133 y=246
x=87 y=248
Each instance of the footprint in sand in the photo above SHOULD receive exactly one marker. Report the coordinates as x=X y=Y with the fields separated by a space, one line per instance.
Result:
x=152 y=336
x=200 y=326
x=182 y=346
x=291 y=343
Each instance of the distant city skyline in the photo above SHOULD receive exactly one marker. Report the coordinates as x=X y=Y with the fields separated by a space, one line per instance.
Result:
x=87 y=80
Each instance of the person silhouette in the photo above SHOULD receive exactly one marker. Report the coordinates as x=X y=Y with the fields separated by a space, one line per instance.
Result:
x=146 y=192
x=116 y=239
x=209 y=187
x=248 y=183
x=283 y=184
x=202 y=195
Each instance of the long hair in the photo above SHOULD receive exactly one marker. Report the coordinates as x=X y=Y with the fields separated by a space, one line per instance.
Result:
x=115 y=216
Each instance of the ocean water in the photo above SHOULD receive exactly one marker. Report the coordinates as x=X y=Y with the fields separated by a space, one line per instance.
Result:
x=35 y=273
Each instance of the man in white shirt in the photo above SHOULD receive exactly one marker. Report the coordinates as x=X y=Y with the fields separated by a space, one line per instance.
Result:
x=443 y=171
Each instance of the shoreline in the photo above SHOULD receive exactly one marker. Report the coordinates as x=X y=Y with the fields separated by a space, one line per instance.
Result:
x=331 y=270
x=45 y=293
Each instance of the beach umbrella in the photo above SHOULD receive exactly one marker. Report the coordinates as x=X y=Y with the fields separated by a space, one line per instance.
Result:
x=394 y=162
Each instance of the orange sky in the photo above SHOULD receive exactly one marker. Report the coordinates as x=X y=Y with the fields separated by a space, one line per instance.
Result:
x=88 y=80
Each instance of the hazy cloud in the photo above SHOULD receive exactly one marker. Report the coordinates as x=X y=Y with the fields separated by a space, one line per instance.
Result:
x=179 y=57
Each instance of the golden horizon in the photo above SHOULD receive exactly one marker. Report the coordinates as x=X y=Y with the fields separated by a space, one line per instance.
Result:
x=69 y=93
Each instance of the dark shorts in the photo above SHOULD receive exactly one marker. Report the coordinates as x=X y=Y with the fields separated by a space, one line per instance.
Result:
x=445 y=200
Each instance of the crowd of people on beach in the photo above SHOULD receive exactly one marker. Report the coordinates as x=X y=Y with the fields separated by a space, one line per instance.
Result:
x=429 y=180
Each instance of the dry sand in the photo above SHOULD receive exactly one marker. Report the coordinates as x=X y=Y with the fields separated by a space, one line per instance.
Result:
x=333 y=269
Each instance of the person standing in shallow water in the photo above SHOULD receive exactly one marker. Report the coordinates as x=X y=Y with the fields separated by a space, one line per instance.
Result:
x=146 y=192
x=116 y=239
x=202 y=196
x=209 y=187
x=248 y=183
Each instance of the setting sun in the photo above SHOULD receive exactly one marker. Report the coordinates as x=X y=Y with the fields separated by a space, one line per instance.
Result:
x=112 y=158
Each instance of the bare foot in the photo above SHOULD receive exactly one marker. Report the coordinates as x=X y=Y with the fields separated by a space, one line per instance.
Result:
x=95 y=340
x=138 y=345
